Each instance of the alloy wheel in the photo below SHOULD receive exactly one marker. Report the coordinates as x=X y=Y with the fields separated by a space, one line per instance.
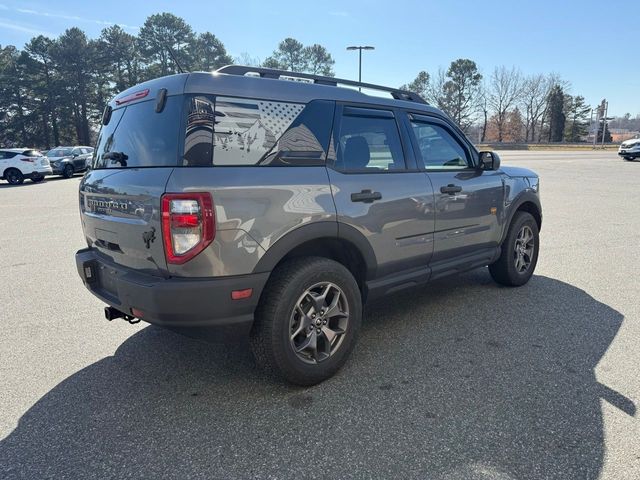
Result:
x=318 y=322
x=524 y=249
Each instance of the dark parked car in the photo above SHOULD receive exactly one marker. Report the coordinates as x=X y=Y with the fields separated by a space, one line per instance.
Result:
x=241 y=203
x=66 y=161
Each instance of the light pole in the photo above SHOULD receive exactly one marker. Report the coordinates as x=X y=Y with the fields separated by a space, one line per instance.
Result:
x=360 y=48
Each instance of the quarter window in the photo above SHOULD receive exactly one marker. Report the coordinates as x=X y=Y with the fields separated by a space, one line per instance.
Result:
x=368 y=142
x=236 y=131
x=440 y=151
x=246 y=130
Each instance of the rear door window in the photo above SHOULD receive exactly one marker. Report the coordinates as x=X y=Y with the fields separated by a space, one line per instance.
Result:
x=138 y=136
x=369 y=141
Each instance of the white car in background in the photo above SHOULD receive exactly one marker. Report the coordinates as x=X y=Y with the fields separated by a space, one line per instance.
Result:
x=16 y=164
x=630 y=149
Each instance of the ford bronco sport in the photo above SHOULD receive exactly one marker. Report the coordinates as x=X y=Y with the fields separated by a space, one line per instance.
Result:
x=241 y=203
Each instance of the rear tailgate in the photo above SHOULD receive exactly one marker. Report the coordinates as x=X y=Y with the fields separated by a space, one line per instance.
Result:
x=136 y=152
x=120 y=212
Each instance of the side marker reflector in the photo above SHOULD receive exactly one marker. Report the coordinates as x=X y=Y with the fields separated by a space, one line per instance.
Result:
x=240 y=294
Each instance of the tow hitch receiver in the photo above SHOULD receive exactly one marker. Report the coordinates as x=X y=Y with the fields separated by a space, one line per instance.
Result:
x=111 y=313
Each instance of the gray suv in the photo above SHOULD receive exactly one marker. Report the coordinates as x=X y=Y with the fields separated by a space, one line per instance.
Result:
x=240 y=203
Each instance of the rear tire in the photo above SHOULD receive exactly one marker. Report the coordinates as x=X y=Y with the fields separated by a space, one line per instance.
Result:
x=307 y=320
x=519 y=254
x=68 y=171
x=14 y=176
x=629 y=159
x=37 y=178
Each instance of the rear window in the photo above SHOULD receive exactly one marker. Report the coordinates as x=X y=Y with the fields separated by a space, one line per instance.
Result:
x=32 y=153
x=138 y=136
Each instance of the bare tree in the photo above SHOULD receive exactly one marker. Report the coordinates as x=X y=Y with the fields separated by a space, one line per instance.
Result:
x=535 y=90
x=505 y=89
x=483 y=108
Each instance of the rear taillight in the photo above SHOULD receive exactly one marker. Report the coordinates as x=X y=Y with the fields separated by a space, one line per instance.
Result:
x=188 y=225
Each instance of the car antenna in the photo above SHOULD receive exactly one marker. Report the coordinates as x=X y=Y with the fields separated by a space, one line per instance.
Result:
x=173 y=57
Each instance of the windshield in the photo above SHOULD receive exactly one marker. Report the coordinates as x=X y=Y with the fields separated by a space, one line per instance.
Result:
x=59 y=152
x=138 y=136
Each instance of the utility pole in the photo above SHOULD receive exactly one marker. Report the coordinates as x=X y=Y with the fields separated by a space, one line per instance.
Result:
x=604 y=122
x=360 y=48
x=591 y=125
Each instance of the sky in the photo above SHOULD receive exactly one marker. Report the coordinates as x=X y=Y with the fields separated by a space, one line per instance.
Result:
x=592 y=44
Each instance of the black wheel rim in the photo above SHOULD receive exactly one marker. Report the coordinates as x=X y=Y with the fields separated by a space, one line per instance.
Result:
x=524 y=249
x=318 y=323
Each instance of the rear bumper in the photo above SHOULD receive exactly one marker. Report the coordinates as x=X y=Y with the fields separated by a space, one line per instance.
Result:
x=192 y=305
x=41 y=171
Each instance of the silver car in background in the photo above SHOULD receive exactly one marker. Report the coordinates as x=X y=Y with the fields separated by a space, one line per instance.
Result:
x=630 y=149
x=66 y=161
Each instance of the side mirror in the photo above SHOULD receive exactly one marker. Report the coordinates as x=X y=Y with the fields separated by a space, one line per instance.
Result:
x=489 y=161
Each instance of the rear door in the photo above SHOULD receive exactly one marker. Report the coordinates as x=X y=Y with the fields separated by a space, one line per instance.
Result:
x=378 y=189
x=120 y=198
x=78 y=159
x=469 y=201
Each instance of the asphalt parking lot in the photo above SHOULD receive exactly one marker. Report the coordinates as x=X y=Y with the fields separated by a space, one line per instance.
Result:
x=458 y=379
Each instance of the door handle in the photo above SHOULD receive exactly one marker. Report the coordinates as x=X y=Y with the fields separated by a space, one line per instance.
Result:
x=366 y=196
x=451 y=189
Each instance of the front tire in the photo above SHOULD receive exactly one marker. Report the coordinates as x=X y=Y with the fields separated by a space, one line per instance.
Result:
x=307 y=321
x=14 y=176
x=519 y=254
x=68 y=171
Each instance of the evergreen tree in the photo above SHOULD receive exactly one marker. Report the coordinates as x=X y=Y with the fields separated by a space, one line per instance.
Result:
x=577 y=125
x=210 y=53
x=556 y=114
x=292 y=55
x=164 y=34
x=461 y=91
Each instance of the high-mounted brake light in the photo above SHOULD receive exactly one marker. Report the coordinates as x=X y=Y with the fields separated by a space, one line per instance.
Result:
x=133 y=96
x=188 y=225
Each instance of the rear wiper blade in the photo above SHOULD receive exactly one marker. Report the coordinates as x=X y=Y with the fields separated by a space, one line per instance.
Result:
x=116 y=157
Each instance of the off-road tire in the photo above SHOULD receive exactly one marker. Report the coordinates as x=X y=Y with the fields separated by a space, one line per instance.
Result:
x=270 y=335
x=504 y=269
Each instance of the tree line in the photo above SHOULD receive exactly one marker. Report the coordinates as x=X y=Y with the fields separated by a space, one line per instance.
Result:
x=507 y=106
x=52 y=91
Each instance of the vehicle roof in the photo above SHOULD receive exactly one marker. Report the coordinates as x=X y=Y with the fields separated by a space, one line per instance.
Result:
x=71 y=146
x=16 y=150
x=215 y=83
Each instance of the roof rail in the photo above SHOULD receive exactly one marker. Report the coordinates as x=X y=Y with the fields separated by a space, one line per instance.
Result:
x=396 y=93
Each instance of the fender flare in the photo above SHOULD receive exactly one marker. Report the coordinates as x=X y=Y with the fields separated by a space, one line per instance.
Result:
x=522 y=198
x=315 y=231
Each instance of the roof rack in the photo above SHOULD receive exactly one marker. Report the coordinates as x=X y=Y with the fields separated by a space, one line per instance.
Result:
x=396 y=93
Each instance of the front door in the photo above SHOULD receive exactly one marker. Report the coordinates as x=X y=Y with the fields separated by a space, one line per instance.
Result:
x=468 y=200
x=379 y=191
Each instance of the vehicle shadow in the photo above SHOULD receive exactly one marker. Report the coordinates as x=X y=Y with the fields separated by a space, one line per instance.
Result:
x=460 y=379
